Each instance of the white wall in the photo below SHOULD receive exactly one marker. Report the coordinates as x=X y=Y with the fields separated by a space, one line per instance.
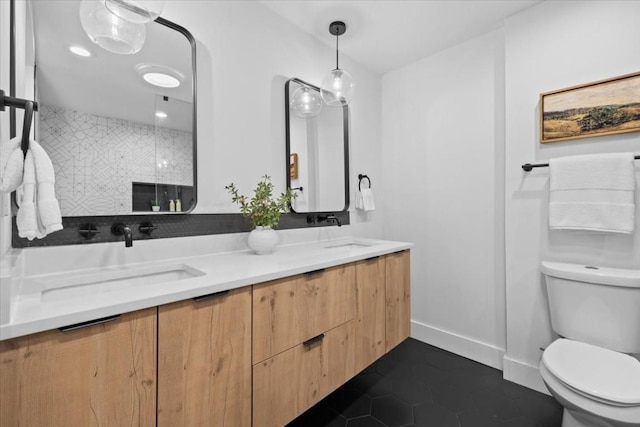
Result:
x=443 y=149
x=551 y=46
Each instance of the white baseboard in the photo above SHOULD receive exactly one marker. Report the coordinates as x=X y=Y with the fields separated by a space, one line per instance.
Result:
x=523 y=374
x=464 y=346
x=487 y=354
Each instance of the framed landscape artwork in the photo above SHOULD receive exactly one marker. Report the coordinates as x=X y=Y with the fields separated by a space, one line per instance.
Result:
x=605 y=107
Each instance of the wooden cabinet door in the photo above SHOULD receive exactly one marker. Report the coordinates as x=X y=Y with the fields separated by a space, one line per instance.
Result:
x=289 y=311
x=289 y=383
x=370 y=315
x=398 y=290
x=100 y=375
x=204 y=361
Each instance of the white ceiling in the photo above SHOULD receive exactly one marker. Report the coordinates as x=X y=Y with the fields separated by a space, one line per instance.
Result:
x=386 y=34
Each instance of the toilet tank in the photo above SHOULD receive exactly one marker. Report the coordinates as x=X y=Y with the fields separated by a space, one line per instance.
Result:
x=596 y=305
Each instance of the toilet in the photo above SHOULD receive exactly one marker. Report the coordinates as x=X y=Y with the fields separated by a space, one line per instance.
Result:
x=593 y=370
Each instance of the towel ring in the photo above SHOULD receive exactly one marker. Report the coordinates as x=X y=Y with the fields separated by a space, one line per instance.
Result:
x=360 y=178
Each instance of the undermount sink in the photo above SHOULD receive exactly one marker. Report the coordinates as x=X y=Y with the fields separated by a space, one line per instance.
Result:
x=349 y=245
x=94 y=284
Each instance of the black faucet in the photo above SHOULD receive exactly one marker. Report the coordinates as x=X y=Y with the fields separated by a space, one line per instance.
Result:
x=329 y=218
x=120 y=229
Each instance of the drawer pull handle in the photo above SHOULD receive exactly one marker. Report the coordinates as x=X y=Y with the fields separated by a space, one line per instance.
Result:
x=89 y=323
x=308 y=343
x=309 y=273
x=213 y=295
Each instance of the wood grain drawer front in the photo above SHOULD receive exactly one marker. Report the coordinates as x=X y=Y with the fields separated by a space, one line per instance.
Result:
x=289 y=383
x=398 y=289
x=204 y=361
x=289 y=311
x=101 y=375
x=370 y=325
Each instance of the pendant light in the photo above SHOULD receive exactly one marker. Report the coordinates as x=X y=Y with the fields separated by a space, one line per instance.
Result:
x=337 y=87
x=110 y=32
x=305 y=102
x=118 y=25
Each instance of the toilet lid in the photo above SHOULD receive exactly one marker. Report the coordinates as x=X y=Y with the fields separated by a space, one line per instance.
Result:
x=595 y=371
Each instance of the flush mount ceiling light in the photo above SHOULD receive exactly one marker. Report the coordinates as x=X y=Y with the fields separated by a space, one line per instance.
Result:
x=159 y=75
x=337 y=87
x=135 y=11
x=305 y=102
x=161 y=114
x=110 y=32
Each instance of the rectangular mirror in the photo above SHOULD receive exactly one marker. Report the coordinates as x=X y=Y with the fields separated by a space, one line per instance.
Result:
x=317 y=152
x=119 y=144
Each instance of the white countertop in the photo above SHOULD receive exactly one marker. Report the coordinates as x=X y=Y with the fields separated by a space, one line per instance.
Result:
x=47 y=301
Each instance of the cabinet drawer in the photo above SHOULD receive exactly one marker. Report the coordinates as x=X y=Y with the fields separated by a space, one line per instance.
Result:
x=289 y=311
x=289 y=383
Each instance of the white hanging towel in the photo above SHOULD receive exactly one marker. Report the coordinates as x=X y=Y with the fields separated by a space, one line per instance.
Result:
x=593 y=192
x=358 y=202
x=39 y=212
x=367 y=200
x=11 y=165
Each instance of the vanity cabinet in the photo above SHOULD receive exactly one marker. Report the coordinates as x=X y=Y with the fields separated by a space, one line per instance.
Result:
x=204 y=361
x=95 y=375
x=254 y=356
x=398 y=293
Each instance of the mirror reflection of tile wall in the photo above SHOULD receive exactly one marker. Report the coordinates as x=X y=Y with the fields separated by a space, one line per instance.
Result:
x=96 y=159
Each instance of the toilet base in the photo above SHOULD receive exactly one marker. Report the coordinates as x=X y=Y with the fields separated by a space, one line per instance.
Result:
x=580 y=419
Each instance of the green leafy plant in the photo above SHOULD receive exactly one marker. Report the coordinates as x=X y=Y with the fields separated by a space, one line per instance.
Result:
x=263 y=209
x=155 y=202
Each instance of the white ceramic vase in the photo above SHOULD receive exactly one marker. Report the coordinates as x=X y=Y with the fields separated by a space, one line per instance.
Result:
x=263 y=240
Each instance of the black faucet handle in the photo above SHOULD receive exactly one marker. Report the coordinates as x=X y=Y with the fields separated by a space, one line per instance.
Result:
x=147 y=228
x=88 y=230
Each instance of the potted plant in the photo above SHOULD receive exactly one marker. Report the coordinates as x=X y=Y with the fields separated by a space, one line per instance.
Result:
x=155 y=205
x=264 y=212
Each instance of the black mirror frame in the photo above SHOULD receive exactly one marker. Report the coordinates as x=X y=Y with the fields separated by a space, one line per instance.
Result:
x=194 y=131
x=345 y=127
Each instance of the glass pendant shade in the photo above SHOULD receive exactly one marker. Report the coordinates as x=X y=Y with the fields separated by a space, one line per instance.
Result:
x=337 y=88
x=135 y=11
x=109 y=31
x=305 y=102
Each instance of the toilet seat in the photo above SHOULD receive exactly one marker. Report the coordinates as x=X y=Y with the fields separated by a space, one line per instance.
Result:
x=597 y=373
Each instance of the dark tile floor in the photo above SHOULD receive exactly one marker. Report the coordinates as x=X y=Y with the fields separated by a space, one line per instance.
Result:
x=416 y=384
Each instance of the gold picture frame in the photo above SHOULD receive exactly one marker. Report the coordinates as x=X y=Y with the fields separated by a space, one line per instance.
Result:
x=293 y=165
x=604 y=107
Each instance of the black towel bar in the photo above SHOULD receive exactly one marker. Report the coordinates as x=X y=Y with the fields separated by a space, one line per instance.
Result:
x=528 y=166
